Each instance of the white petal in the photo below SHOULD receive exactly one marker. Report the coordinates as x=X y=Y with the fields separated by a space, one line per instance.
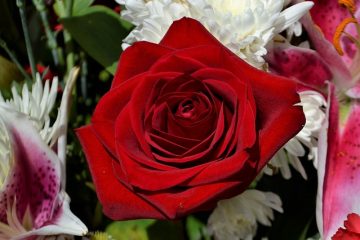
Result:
x=291 y=15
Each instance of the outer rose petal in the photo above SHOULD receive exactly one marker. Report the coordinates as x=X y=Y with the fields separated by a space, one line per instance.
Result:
x=145 y=58
x=277 y=124
x=197 y=32
x=118 y=201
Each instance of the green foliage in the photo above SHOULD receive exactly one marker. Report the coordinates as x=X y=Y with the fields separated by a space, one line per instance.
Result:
x=196 y=230
x=79 y=6
x=8 y=73
x=99 y=31
x=129 y=230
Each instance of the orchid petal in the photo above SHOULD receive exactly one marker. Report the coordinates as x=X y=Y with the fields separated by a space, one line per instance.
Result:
x=299 y=63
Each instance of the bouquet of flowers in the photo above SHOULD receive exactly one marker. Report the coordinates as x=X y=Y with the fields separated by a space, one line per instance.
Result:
x=180 y=119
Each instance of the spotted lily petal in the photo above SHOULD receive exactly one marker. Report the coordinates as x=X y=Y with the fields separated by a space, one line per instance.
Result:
x=31 y=183
x=328 y=15
x=302 y=64
x=339 y=170
x=342 y=75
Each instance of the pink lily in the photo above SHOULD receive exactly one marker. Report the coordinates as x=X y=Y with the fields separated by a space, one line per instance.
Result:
x=339 y=143
x=313 y=67
x=33 y=201
x=338 y=169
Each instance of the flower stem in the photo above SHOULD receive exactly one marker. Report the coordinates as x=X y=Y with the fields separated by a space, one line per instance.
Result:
x=65 y=9
x=14 y=59
x=21 y=5
x=70 y=56
x=51 y=40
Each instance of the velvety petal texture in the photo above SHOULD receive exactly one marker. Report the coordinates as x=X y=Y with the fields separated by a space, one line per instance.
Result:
x=185 y=124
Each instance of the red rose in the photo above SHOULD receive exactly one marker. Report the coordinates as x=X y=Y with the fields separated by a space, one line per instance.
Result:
x=185 y=124
x=352 y=229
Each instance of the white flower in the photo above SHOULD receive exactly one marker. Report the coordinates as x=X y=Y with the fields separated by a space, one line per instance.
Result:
x=37 y=104
x=152 y=18
x=245 y=27
x=237 y=218
x=313 y=104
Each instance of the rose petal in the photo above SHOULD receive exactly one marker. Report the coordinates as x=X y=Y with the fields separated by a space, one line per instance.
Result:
x=113 y=195
x=277 y=116
x=196 y=35
x=129 y=64
x=180 y=203
x=106 y=112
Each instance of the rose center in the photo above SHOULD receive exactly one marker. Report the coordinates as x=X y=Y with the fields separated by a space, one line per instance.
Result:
x=186 y=109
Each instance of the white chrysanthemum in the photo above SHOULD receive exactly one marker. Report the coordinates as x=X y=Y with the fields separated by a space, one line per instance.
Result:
x=152 y=18
x=37 y=104
x=237 y=218
x=245 y=27
x=313 y=104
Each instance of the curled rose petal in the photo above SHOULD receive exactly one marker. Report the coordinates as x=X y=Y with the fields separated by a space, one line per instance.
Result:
x=186 y=127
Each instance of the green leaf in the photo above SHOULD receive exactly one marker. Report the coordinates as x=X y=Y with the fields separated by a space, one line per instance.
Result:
x=130 y=230
x=80 y=6
x=196 y=229
x=344 y=112
x=99 y=31
x=8 y=73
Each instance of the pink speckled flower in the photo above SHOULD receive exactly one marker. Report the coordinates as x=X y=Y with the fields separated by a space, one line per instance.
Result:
x=32 y=198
